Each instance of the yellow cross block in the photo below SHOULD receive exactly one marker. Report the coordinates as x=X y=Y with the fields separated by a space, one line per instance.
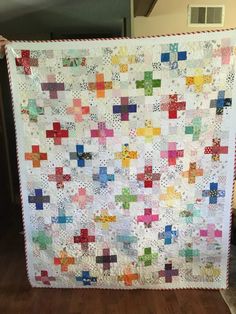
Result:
x=210 y=271
x=105 y=219
x=170 y=196
x=198 y=80
x=126 y=155
x=148 y=132
x=123 y=59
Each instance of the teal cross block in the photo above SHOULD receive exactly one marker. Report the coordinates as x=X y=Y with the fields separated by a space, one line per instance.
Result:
x=195 y=128
x=127 y=240
x=62 y=219
x=148 y=83
x=42 y=239
x=148 y=257
x=33 y=110
x=189 y=253
x=190 y=213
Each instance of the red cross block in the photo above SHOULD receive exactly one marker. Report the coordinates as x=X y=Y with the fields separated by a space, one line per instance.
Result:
x=59 y=177
x=148 y=177
x=84 y=239
x=57 y=133
x=216 y=149
x=36 y=156
x=44 y=278
x=26 y=61
x=173 y=106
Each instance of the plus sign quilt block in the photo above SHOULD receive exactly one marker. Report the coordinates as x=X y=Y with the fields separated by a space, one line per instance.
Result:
x=126 y=157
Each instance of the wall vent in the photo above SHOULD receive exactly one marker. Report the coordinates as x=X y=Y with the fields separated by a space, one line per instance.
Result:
x=206 y=15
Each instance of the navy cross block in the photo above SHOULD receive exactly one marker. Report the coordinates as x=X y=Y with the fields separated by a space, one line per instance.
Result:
x=39 y=199
x=86 y=279
x=213 y=193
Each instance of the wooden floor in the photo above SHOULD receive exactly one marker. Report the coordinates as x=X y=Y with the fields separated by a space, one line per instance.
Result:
x=16 y=295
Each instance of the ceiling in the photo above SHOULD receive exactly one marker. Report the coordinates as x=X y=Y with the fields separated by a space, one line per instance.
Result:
x=63 y=16
x=144 y=7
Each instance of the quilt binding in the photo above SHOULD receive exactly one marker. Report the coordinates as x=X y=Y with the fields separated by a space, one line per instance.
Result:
x=18 y=163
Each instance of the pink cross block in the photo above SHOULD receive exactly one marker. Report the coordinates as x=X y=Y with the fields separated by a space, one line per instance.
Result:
x=102 y=133
x=225 y=51
x=82 y=198
x=78 y=110
x=172 y=154
x=147 y=218
x=211 y=233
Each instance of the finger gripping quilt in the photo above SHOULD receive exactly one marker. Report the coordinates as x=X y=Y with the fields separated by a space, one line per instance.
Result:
x=126 y=158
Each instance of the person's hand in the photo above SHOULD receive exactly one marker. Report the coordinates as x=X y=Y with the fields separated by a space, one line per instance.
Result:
x=3 y=42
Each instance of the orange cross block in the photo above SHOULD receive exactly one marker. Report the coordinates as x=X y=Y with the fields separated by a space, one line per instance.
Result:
x=192 y=173
x=36 y=156
x=100 y=86
x=64 y=260
x=128 y=278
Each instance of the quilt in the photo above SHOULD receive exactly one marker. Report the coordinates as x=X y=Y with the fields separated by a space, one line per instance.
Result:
x=126 y=155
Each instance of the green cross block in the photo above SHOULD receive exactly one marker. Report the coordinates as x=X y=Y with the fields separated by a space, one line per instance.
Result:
x=190 y=213
x=188 y=253
x=33 y=110
x=148 y=83
x=42 y=239
x=195 y=128
x=148 y=256
x=73 y=62
x=126 y=198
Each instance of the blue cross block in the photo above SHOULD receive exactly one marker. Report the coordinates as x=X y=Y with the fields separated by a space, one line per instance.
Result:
x=213 y=193
x=222 y=102
x=80 y=156
x=86 y=278
x=168 y=234
x=181 y=56
x=103 y=177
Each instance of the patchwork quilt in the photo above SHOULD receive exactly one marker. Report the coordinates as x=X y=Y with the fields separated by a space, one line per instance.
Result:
x=126 y=157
